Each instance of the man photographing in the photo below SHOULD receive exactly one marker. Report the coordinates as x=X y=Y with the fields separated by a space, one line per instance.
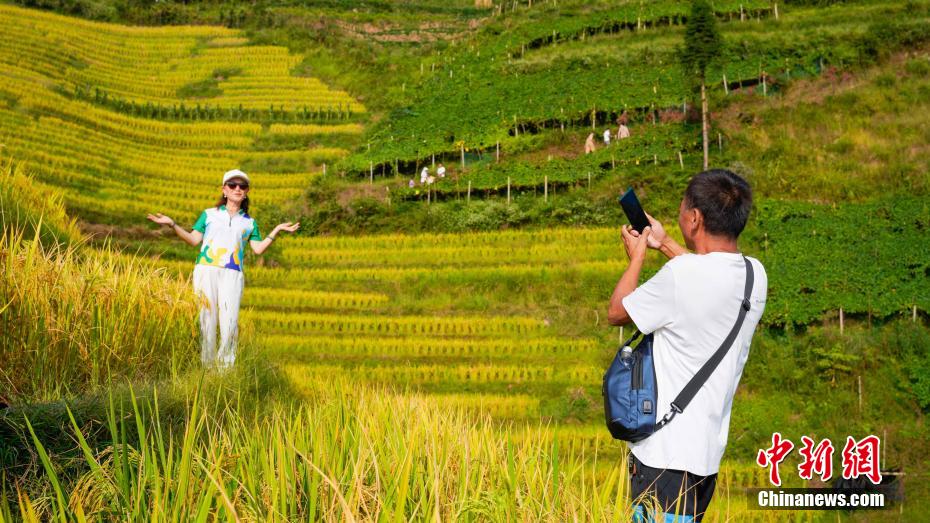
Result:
x=690 y=306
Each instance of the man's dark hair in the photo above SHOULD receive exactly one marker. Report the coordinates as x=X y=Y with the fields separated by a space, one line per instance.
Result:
x=723 y=198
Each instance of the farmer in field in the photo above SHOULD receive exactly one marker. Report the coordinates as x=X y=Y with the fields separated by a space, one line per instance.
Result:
x=690 y=306
x=222 y=231
x=589 y=144
x=623 y=132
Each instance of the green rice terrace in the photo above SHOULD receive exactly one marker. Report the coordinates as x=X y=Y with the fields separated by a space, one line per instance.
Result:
x=434 y=348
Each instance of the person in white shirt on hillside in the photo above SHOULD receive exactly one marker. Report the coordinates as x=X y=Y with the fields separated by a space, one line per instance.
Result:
x=424 y=174
x=690 y=306
x=606 y=136
x=222 y=231
x=441 y=171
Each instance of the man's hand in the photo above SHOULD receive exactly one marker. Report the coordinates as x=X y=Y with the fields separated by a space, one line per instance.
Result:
x=658 y=233
x=635 y=245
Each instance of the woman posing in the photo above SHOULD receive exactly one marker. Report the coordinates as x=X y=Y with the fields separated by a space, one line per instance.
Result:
x=222 y=232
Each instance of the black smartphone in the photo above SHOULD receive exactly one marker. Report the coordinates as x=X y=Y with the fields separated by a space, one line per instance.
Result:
x=634 y=211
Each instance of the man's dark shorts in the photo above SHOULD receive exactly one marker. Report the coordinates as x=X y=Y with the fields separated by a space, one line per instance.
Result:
x=682 y=496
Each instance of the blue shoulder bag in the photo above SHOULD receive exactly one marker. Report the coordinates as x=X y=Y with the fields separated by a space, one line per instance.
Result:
x=630 y=390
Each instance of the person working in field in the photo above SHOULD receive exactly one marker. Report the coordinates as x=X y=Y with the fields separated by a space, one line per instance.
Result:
x=623 y=132
x=589 y=144
x=690 y=307
x=221 y=231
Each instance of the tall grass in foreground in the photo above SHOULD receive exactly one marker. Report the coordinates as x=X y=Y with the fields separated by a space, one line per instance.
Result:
x=350 y=454
x=73 y=317
x=35 y=209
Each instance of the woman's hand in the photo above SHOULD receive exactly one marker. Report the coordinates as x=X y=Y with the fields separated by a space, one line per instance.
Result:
x=160 y=218
x=635 y=245
x=259 y=247
x=192 y=237
x=287 y=226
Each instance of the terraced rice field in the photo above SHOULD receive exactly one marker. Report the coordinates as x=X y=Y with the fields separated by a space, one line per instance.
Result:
x=473 y=322
x=393 y=311
x=109 y=160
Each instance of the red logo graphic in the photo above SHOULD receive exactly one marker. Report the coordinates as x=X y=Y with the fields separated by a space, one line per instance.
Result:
x=819 y=460
x=774 y=455
x=861 y=459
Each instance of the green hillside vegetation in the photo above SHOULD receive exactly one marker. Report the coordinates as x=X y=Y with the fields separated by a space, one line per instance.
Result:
x=442 y=346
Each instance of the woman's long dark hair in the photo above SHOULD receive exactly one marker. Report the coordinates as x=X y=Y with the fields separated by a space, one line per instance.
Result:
x=244 y=205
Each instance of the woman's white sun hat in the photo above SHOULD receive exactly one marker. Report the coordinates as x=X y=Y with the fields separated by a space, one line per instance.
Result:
x=235 y=173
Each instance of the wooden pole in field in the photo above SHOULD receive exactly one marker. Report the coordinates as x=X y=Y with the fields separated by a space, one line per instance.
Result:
x=468 y=197
x=497 y=156
x=681 y=160
x=720 y=141
x=371 y=173
x=589 y=181
x=726 y=87
x=324 y=169
x=463 y=156
x=546 y=188
x=842 y=320
x=776 y=10
x=508 y=190
x=859 y=379
x=434 y=161
x=914 y=314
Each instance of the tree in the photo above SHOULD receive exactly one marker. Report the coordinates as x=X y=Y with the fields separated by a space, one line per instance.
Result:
x=703 y=47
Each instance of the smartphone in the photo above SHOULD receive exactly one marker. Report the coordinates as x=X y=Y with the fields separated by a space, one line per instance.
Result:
x=634 y=211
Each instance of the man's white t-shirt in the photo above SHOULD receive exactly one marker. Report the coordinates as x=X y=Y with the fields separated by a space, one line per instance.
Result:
x=690 y=306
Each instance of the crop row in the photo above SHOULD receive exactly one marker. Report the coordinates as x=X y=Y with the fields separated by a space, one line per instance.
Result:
x=493 y=239
x=298 y=347
x=435 y=254
x=312 y=129
x=501 y=274
x=273 y=321
x=277 y=298
x=496 y=405
x=424 y=374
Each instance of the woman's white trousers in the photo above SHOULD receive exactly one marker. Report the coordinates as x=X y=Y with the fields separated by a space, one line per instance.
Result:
x=221 y=291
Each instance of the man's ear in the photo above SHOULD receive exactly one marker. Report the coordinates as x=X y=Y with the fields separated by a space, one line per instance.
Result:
x=697 y=218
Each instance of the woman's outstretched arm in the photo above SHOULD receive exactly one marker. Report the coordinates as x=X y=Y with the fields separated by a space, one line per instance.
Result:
x=259 y=246
x=192 y=237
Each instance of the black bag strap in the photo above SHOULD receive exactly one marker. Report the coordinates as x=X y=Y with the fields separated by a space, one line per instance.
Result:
x=693 y=386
